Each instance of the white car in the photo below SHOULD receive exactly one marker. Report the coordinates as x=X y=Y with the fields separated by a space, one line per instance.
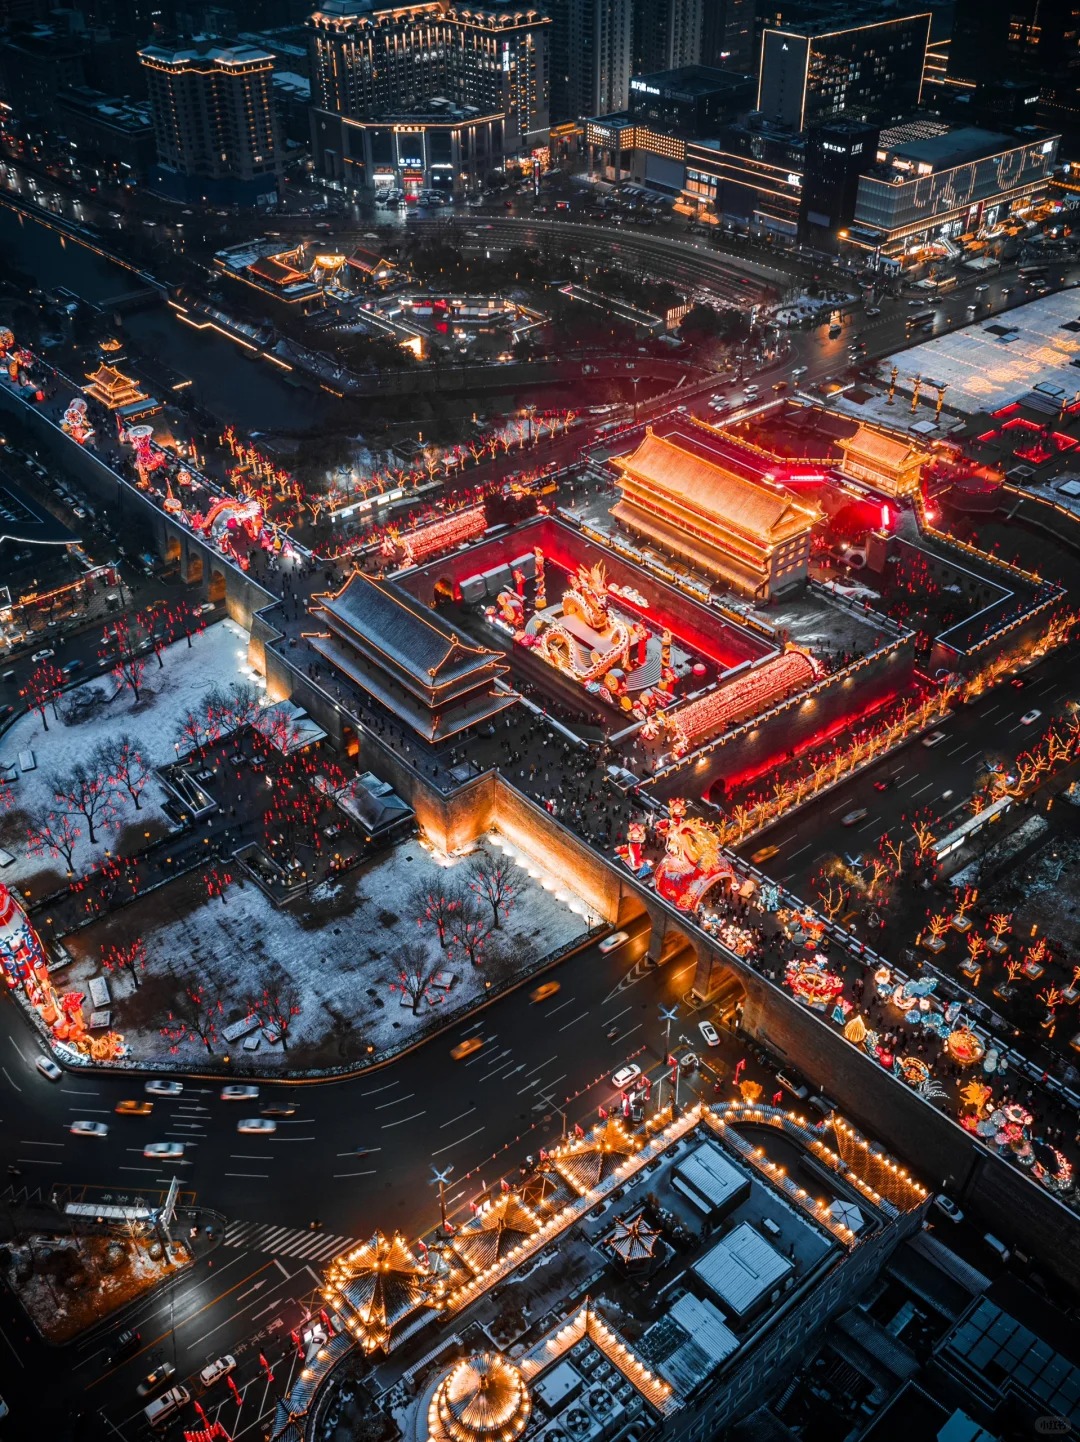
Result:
x=980 y=288
x=617 y=938
x=709 y=1032
x=164 y=1151
x=239 y=1094
x=257 y=1124
x=216 y=1370
x=42 y=655
x=948 y=1207
x=1030 y=717
x=89 y=1129
x=625 y=1075
x=934 y=739
x=48 y=1068
x=161 y=1088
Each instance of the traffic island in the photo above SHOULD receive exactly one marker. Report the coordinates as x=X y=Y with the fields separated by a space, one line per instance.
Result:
x=68 y=1283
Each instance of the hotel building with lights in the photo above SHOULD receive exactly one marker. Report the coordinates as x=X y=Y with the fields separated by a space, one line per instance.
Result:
x=215 y=126
x=386 y=67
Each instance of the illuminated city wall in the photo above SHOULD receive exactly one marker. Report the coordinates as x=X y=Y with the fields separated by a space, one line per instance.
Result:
x=947 y=1157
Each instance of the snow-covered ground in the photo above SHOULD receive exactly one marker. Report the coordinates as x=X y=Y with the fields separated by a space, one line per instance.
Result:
x=340 y=947
x=217 y=656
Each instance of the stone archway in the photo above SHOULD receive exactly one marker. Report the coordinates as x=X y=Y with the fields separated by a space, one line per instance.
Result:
x=173 y=550
x=216 y=589
x=719 y=982
x=193 y=568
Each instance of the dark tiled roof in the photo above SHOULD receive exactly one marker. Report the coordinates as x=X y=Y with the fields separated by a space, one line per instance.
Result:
x=416 y=642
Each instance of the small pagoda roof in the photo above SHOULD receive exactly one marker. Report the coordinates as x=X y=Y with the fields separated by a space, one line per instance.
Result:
x=382 y=1283
x=491 y=1235
x=633 y=1240
x=881 y=449
x=765 y=512
x=587 y=1161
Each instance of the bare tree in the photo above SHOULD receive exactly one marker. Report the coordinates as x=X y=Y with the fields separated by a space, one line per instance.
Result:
x=130 y=958
x=278 y=1004
x=123 y=644
x=55 y=833
x=86 y=791
x=43 y=686
x=495 y=881
x=195 y=1019
x=438 y=905
x=123 y=761
x=414 y=974
x=469 y=929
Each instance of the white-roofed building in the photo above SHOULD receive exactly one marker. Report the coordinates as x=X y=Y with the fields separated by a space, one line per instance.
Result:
x=742 y=1270
x=711 y=1182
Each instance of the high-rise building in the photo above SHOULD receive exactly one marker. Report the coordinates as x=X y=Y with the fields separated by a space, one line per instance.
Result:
x=214 y=122
x=727 y=36
x=996 y=38
x=592 y=61
x=868 y=72
x=667 y=34
x=369 y=62
x=837 y=153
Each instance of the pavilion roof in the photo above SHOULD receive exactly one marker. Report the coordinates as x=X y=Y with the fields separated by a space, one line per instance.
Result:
x=633 y=1240
x=488 y=1237
x=765 y=512
x=877 y=446
x=587 y=1161
x=381 y=1283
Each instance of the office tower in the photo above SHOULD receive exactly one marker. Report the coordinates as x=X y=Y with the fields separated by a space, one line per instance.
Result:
x=867 y=72
x=214 y=123
x=592 y=56
x=370 y=62
x=727 y=36
x=837 y=153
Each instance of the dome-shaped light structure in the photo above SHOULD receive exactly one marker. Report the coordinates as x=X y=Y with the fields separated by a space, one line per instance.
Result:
x=484 y=1399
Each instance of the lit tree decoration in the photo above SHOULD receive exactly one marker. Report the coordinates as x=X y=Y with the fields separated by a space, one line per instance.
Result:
x=43 y=686
x=751 y=1091
x=130 y=958
x=196 y=1020
x=86 y=791
x=1000 y=925
x=469 y=929
x=56 y=834
x=218 y=882
x=438 y=906
x=415 y=976
x=123 y=644
x=279 y=1005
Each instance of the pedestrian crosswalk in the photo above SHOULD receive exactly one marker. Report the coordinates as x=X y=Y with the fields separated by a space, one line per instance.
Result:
x=287 y=1241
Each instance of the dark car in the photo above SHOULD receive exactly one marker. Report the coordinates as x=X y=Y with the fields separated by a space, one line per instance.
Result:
x=278 y=1109
x=124 y=1344
x=886 y=783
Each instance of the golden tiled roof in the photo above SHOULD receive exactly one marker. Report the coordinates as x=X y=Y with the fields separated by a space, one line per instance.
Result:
x=731 y=500
x=886 y=450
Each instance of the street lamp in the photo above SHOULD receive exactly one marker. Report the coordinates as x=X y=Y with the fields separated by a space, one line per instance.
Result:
x=668 y=1014
x=439 y=1180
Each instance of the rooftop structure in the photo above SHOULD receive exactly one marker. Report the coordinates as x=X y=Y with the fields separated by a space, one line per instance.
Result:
x=927 y=186
x=888 y=463
x=752 y=536
x=714 y=1324
x=1033 y=348
x=113 y=388
x=423 y=672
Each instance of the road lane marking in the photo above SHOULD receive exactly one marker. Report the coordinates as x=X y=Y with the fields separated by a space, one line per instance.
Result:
x=567 y=1025
x=543 y=1064
x=800 y=851
x=449 y=1145
x=47 y=1162
x=375 y=1090
x=561 y=1004
x=282 y=1268
x=24 y=1143
x=452 y=1120
x=405 y=1097
x=401 y=1122
x=338 y=1175
x=10 y=1082
x=607 y=1020
x=250 y=1157
x=264 y=1175
x=921 y=789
